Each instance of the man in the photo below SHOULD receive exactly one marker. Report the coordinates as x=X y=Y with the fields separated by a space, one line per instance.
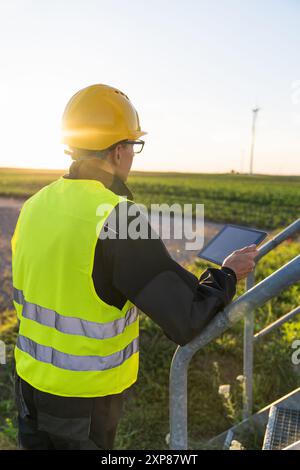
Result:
x=75 y=288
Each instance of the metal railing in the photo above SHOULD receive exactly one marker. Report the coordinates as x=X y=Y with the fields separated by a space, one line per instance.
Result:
x=255 y=297
x=249 y=336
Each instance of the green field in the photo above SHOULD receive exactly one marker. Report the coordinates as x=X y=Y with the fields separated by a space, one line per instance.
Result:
x=260 y=201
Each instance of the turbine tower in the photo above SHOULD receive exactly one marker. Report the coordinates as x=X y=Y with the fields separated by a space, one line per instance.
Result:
x=254 y=111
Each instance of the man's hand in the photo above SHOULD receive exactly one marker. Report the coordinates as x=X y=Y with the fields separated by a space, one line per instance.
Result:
x=242 y=261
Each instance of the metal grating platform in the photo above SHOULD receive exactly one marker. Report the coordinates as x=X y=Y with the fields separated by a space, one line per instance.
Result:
x=283 y=428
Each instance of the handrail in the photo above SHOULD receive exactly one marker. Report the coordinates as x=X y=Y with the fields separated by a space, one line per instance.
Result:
x=281 y=279
x=249 y=318
x=279 y=238
x=280 y=321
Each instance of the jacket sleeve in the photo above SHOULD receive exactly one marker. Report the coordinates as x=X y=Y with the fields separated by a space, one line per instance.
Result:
x=180 y=303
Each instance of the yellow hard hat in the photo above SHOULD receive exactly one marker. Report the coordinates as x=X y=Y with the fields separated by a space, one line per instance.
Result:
x=99 y=116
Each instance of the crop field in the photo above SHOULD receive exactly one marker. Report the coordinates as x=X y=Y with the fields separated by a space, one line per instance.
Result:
x=260 y=201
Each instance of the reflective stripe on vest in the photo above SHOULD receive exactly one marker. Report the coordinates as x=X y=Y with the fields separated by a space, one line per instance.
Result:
x=73 y=325
x=76 y=363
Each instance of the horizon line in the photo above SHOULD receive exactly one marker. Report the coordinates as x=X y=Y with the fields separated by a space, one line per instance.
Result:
x=233 y=172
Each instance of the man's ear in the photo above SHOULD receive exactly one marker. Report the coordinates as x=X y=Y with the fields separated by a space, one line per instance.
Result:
x=116 y=157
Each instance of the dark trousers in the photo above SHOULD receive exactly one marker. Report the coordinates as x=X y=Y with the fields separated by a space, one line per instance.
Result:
x=52 y=422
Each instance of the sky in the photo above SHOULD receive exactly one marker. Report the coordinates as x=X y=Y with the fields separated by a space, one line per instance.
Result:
x=193 y=69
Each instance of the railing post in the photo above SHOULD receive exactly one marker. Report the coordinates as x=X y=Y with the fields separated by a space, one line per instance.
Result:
x=178 y=401
x=248 y=355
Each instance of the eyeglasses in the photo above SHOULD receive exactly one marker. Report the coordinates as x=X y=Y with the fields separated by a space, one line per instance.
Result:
x=138 y=145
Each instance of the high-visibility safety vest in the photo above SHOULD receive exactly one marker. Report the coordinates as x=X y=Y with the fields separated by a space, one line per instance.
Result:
x=70 y=342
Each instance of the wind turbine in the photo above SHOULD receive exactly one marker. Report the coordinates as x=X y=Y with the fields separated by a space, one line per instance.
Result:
x=255 y=112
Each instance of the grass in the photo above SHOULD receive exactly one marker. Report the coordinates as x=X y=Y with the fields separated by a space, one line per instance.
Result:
x=260 y=201
x=145 y=421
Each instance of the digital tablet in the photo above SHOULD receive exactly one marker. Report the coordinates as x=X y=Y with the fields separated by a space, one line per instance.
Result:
x=229 y=239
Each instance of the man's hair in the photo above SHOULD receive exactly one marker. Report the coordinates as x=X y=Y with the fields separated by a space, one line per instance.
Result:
x=84 y=154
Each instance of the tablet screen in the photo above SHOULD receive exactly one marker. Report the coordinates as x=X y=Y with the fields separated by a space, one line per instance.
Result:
x=229 y=239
